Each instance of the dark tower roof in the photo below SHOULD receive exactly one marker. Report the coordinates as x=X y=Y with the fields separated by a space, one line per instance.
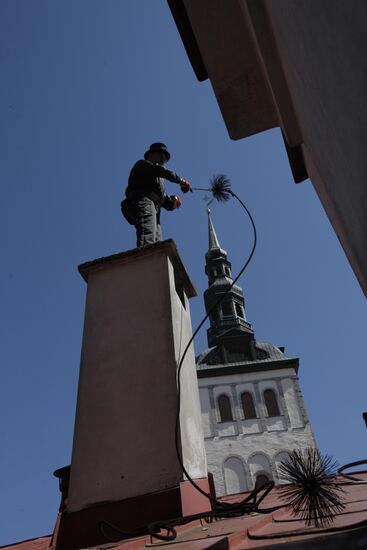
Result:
x=229 y=331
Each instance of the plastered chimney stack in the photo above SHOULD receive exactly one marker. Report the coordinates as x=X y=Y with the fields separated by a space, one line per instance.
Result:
x=137 y=324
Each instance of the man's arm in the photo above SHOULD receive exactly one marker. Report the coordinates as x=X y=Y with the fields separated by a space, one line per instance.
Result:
x=145 y=168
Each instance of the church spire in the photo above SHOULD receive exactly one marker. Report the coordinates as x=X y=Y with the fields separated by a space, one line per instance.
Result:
x=228 y=326
x=214 y=250
x=213 y=239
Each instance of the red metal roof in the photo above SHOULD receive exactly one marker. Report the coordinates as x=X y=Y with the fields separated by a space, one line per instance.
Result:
x=258 y=530
x=41 y=543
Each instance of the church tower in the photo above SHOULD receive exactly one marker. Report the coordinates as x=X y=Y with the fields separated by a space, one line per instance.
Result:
x=252 y=406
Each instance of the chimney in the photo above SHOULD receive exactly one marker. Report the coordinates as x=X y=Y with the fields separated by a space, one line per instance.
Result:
x=124 y=467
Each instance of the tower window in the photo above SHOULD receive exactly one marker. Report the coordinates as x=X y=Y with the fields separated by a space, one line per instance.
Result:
x=214 y=315
x=219 y=271
x=239 y=310
x=248 y=405
x=225 y=409
x=226 y=269
x=226 y=309
x=271 y=403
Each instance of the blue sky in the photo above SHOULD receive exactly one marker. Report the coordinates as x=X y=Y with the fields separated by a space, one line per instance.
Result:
x=86 y=86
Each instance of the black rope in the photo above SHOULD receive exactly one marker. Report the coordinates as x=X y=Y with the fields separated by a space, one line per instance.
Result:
x=349 y=476
x=155 y=529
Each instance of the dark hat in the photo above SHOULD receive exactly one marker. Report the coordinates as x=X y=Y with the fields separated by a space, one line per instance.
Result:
x=157 y=147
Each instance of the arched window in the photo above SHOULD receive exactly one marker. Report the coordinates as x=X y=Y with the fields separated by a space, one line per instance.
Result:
x=234 y=476
x=225 y=409
x=259 y=466
x=248 y=406
x=261 y=479
x=271 y=403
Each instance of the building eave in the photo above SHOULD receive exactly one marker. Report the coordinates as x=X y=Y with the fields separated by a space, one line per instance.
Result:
x=247 y=368
x=186 y=33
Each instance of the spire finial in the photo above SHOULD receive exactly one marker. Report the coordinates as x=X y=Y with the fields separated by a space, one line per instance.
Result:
x=213 y=239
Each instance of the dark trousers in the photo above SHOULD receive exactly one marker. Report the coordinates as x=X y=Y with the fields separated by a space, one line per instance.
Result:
x=147 y=222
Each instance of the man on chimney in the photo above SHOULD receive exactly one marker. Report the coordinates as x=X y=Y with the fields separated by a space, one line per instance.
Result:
x=145 y=194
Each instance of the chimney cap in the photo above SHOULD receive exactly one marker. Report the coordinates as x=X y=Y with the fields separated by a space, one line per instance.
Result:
x=169 y=246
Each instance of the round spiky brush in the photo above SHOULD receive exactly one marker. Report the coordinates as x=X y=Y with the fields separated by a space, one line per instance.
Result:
x=220 y=187
x=313 y=492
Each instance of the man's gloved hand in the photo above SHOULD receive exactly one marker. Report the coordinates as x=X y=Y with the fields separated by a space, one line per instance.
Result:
x=185 y=186
x=176 y=201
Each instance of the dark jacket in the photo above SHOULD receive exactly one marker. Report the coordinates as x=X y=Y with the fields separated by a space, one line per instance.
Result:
x=146 y=180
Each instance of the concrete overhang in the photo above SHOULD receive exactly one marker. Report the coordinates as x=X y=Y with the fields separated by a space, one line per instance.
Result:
x=299 y=66
x=222 y=45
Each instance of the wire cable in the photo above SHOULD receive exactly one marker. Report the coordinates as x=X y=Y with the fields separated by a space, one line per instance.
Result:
x=349 y=476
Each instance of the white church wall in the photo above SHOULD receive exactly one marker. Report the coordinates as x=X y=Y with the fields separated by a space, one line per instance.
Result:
x=206 y=412
x=279 y=457
x=243 y=438
x=234 y=475
x=226 y=429
x=275 y=424
x=291 y=403
x=270 y=443
x=251 y=426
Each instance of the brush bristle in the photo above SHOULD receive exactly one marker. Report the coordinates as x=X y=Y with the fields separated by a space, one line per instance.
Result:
x=220 y=186
x=313 y=493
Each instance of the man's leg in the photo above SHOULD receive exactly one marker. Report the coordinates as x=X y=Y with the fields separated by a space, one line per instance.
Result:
x=145 y=222
x=158 y=231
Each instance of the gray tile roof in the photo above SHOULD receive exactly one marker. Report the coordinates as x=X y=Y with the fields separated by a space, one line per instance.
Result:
x=270 y=353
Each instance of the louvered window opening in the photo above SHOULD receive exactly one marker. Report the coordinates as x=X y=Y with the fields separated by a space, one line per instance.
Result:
x=239 y=310
x=225 y=409
x=226 y=309
x=248 y=406
x=271 y=403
